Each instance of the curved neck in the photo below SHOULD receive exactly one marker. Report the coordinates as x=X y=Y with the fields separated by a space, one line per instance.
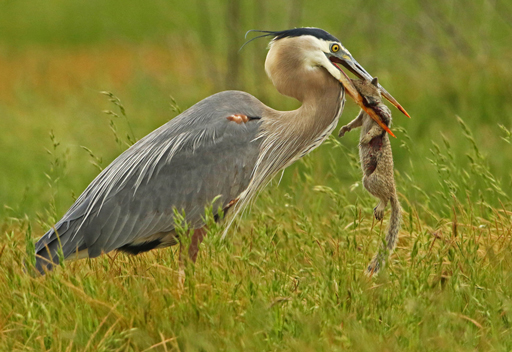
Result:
x=322 y=101
x=288 y=135
x=294 y=73
x=320 y=95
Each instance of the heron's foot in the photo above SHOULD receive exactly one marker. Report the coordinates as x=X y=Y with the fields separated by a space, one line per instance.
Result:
x=344 y=130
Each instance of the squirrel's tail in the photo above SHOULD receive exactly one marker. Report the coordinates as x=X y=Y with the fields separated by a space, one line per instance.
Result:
x=391 y=238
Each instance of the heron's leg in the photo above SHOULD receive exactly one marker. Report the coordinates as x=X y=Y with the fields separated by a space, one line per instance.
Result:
x=357 y=122
x=193 y=249
x=197 y=238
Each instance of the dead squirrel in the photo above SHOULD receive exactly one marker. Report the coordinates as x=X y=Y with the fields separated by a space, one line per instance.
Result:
x=377 y=165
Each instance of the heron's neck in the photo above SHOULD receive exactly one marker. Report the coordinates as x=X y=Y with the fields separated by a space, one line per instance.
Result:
x=321 y=105
x=288 y=135
x=321 y=99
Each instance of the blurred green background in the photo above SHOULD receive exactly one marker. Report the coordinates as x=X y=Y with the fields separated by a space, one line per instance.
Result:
x=440 y=59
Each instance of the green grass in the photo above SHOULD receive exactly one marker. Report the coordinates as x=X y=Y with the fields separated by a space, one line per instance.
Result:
x=290 y=274
x=289 y=278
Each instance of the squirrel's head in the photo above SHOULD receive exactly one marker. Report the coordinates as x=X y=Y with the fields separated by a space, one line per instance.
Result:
x=369 y=91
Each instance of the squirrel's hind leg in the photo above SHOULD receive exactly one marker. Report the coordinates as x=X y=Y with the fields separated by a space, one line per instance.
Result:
x=378 y=211
x=377 y=188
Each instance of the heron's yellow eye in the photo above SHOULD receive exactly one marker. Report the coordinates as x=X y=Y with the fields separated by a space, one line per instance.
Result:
x=335 y=48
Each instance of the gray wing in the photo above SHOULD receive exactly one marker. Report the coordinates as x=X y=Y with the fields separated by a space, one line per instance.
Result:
x=182 y=165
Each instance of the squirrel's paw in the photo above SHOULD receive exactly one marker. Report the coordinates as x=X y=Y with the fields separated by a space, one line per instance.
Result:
x=379 y=213
x=344 y=130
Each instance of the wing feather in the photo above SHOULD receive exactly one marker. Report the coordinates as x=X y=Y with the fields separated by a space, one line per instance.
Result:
x=182 y=165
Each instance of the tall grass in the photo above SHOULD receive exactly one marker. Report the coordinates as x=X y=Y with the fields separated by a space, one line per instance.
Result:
x=290 y=274
x=290 y=277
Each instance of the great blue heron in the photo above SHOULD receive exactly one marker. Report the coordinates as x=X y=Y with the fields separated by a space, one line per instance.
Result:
x=226 y=147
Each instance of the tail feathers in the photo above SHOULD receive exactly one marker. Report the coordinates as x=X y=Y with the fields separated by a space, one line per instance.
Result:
x=48 y=246
x=391 y=238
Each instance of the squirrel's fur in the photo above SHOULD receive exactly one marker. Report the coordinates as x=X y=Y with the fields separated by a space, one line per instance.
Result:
x=377 y=165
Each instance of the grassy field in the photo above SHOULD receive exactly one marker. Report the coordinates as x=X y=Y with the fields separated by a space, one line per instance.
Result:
x=290 y=274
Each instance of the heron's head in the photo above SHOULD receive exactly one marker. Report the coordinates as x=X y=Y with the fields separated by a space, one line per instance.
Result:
x=309 y=49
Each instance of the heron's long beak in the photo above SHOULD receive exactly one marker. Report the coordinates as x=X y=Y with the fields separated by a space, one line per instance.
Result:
x=351 y=90
x=353 y=66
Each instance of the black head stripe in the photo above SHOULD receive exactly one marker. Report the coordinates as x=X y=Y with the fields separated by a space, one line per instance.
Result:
x=296 y=32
